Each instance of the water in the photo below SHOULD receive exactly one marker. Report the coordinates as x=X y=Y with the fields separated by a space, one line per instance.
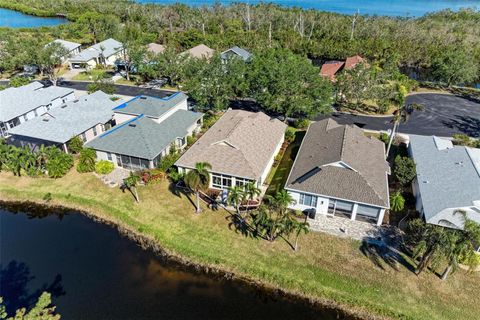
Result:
x=95 y=273
x=15 y=19
x=411 y=8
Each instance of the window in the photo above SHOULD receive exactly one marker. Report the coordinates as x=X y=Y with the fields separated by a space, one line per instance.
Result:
x=25 y=118
x=308 y=200
x=217 y=181
x=94 y=131
x=340 y=208
x=35 y=113
x=221 y=182
x=109 y=156
x=84 y=137
x=13 y=123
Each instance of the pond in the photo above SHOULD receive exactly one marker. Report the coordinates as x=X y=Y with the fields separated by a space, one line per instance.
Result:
x=15 y=19
x=93 y=272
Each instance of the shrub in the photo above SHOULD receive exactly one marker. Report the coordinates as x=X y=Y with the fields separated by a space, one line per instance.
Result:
x=86 y=163
x=384 y=137
x=19 y=81
x=106 y=86
x=461 y=140
x=290 y=135
x=75 y=145
x=58 y=163
x=405 y=170
x=168 y=161
x=191 y=139
x=104 y=167
x=302 y=123
x=152 y=176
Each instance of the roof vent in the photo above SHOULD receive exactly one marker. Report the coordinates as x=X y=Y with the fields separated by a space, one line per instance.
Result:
x=143 y=98
x=426 y=181
x=63 y=106
x=45 y=119
x=76 y=100
x=133 y=125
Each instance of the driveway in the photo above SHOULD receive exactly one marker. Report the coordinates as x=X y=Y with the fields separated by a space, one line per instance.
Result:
x=444 y=115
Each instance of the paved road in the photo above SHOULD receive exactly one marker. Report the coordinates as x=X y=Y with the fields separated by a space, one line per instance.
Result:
x=444 y=115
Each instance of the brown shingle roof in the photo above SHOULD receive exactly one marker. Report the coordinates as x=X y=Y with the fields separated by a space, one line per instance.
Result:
x=361 y=175
x=240 y=143
x=351 y=62
x=200 y=51
x=330 y=68
x=155 y=48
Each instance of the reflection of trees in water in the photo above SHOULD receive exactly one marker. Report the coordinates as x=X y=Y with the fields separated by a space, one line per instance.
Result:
x=34 y=210
x=14 y=279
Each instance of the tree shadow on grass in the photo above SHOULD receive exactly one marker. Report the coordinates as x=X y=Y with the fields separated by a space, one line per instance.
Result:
x=180 y=192
x=385 y=249
x=14 y=280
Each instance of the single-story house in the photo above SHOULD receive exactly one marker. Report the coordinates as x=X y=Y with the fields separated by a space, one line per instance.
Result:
x=147 y=128
x=340 y=172
x=73 y=48
x=19 y=105
x=241 y=147
x=107 y=52
x=236 y=52
x=86 y=117
x=200 y=52
x=331 y=68
x=155 y=48
x=447 y=181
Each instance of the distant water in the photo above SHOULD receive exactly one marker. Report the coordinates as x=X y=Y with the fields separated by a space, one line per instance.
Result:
x=15 y=19
x=411 y=8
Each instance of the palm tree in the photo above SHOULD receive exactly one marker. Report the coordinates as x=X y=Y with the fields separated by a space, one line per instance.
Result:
x=401 y=115
x=397 y=201
x=460 y=243
x=198 y=179
x=300 y=227
x=235 y=196
x=281 y=201
x=131 y=184
x=251 y=191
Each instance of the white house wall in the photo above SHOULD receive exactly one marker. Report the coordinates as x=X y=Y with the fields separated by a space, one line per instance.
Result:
x=122 y=117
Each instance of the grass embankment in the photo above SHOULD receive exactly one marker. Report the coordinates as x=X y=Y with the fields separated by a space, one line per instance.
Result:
x=326 y=268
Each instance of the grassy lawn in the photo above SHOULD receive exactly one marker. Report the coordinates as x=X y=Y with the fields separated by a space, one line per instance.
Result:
x=279 y=174
x=326 y=268
x=91 y=75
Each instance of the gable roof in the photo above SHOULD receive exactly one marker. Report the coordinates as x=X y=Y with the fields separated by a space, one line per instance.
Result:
x=330 y=68
x=200 y=51
x=70 y=46
x=351 y=62
x=109 y=47
x=18 y=101
x=242 y=53
x=339 y=161
x=155 y=48
x=448 y=177
x=240 y=143
x=75 y=117
x=144 y=138
x=151 y=106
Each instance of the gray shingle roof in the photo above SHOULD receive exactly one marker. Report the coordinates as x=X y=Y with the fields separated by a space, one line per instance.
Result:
x=448 y=176
x=240 y=143
x=151 y=106
x=70 y=46
x=110 y=47
x=144 y=138
x=242 y=53
x=339 y=161
x=61 y=124
x=18 y=101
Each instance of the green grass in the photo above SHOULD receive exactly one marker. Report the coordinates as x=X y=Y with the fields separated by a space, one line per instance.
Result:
x=91 y=75
x=326 y=268
x=278 y=175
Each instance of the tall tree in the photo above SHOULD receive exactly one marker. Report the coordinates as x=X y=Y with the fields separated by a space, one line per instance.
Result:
x=130 y=183
x=51 y=58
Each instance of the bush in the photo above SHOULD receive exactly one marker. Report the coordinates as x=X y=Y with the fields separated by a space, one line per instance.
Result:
x=106 y=86
x=86 y=162
x=104 y=167
x=191 y=140
x=168 y=161
x=58 y=163
x=461 y=140
x=404 y=170
x=152 y=176
x=384 y=137
x=75 y=145
x=290 y=135
x=302 y=123
x=19 y=81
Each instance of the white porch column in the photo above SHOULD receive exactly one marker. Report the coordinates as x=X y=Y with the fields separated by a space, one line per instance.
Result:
x=64 y=147
x=380 y=217
x=150 y=164
x=354 y=211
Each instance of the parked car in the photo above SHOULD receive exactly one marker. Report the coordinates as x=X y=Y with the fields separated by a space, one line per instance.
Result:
x=155 y=84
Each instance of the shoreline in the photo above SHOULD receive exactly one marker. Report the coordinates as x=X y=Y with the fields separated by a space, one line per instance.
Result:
x=147 y=242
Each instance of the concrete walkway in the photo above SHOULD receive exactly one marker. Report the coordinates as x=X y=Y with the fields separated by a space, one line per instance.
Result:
x=345 y=228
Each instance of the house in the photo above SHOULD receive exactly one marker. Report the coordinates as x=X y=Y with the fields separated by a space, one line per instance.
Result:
x=86 y=117
x=107 y=53
x=241 y=147
x=73 y=48
x=19 y=105
x=155 y=48
x=147 y=128
x=200 y=52
x=331 y=68
x=235 y=52
x=340 y=172
x=447 y=182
